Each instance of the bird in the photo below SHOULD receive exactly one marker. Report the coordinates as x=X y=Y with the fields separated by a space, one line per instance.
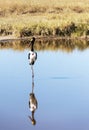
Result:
x=32 y=56
x=33 y=104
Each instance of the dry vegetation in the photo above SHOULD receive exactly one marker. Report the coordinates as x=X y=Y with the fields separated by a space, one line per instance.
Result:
x=22 y=18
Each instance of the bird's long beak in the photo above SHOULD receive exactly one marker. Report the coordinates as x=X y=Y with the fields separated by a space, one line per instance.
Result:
x=30 y=118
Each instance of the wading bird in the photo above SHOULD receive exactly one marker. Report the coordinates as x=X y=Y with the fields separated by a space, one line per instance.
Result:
x=32 y=56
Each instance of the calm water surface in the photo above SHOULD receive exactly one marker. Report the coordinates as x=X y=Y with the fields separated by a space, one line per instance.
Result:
x=61 y=86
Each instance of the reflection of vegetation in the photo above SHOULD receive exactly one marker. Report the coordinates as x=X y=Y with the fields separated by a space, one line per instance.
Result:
x=62 y=44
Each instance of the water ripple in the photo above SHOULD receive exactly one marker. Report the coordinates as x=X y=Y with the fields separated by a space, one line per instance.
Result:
x=61 y=77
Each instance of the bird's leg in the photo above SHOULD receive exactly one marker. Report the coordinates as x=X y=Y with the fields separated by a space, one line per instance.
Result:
x=32 y=78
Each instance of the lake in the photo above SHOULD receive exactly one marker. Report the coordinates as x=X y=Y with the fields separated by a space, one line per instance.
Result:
x=61 y=86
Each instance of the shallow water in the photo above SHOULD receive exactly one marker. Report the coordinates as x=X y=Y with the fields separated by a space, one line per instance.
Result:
x=61 y=86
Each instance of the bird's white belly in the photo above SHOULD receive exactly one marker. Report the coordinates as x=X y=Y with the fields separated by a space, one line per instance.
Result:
x=32 y=107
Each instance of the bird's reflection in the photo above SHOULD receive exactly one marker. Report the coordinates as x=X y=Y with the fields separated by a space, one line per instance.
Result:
x=33 y=104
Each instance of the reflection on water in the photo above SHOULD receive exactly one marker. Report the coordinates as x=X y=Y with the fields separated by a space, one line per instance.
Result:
x=33 y=104
x=50 y=44
x=61 y=80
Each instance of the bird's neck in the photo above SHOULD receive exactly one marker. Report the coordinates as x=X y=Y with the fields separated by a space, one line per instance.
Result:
x=32 y=47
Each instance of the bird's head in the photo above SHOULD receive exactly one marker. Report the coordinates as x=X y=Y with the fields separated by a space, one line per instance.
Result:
x=33 y=40
x=33 y=122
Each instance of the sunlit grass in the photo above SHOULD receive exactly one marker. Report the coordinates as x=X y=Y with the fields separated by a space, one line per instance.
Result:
x=37 y=17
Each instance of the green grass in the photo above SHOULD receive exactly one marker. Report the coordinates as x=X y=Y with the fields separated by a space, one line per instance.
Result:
x=26 y=18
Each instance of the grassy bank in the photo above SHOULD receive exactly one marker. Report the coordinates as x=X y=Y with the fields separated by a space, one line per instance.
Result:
x=26 y=18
